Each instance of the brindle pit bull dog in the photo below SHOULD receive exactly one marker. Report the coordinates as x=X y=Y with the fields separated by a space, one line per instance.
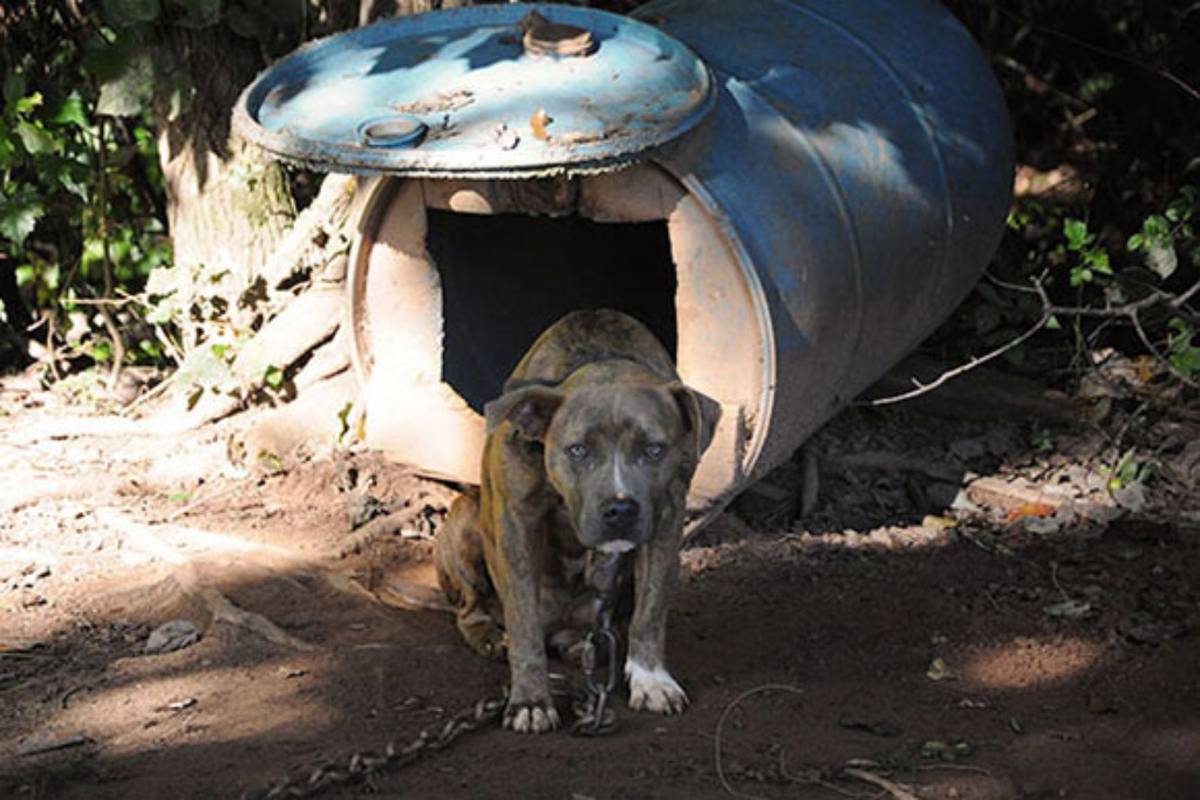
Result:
x=591 y=445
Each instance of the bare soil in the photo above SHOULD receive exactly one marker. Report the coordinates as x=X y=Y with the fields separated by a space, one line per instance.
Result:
x=886 y=643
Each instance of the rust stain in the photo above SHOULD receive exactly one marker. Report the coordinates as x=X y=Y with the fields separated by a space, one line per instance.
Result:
x=538 y=123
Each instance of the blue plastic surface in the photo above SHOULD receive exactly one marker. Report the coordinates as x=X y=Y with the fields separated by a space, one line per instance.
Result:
x=488 y=108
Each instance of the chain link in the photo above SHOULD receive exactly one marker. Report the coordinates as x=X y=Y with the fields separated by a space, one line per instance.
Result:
x=362 y=765
x=589 y=704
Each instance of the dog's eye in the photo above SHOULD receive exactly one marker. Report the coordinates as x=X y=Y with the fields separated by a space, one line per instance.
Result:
x=655 y=451
x=577 y=452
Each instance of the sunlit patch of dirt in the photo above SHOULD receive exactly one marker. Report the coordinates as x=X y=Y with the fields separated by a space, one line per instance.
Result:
x=142 y=708
x=1025 y=663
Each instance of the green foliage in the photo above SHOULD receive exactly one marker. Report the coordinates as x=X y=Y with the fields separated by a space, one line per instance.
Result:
x=1183 y=354
x=83 y=211
x=1089 y=258
x=57 y=227
x=1108 y=146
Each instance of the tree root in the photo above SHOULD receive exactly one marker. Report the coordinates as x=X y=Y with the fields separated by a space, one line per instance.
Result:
x=223 y=610
x=157 y=541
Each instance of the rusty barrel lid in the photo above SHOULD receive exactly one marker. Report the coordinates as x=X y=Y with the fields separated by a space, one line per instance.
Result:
x=495 y=91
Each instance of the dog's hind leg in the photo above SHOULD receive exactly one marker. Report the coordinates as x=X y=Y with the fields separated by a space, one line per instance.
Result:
x=462 y=574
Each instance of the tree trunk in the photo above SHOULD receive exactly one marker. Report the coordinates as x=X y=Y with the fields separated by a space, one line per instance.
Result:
x=227 y=205
x=277 y=273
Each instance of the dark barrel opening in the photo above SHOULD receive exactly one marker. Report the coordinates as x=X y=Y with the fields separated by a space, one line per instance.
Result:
x=507 y=277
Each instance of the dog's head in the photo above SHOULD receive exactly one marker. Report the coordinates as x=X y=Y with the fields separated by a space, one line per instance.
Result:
x=619 y=452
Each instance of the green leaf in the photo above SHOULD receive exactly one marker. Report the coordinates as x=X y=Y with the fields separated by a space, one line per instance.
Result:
x=1156 y=226
x=151 y=348
x=1135 y=242
x=28 y=103
x=8 y=148
x=36 y=139
x=273 y=377
x=1095 y=86
x=126 y=13
x=70 y=178
x=102 y=350
x=130 y=91
x=1183 y=356
x=1052 y=324
x=71 y=112
x=1076 y=233
x=1097 y=259
x=19 y=215
x=939 y=670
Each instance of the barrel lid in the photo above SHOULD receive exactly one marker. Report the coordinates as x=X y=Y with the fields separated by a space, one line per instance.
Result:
x=499 y=91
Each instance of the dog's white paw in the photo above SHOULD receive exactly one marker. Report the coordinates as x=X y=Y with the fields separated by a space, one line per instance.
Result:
x=531 y=717
x=654 y=690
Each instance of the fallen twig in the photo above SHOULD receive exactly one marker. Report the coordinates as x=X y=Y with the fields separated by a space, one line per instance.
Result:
x=894 y=789
x=50 y=747
x=923 y=388
x=781 y=687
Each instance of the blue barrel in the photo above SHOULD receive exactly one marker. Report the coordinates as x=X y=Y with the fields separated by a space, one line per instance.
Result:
x=792 y=195
x=861 y=151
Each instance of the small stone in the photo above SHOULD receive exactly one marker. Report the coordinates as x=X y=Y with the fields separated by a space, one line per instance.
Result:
x=170 y=636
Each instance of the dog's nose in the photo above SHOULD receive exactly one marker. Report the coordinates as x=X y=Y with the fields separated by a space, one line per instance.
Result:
x=620 y=512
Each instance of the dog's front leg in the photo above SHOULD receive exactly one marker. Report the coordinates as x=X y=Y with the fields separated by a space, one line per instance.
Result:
x=655 y=572
x=530 y=707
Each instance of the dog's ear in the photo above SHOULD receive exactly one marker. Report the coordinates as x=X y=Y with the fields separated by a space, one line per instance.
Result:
x=700 y=414
x=529 y=409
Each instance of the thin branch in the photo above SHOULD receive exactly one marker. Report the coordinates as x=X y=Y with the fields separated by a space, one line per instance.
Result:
x=923 y=388
x=1154 y=351
x=104 y=301
x=1129 y=311
x=721 y=726
x=1104 y=51
x=114 y=333
x=1156 y=297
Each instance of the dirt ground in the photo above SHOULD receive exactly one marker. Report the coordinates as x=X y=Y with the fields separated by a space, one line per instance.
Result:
x=1027 y=637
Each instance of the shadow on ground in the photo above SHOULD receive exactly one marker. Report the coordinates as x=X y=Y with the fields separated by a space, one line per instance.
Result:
x=960 y=664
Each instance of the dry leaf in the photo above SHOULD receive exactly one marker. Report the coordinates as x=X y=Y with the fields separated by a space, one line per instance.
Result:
x=1030 y=510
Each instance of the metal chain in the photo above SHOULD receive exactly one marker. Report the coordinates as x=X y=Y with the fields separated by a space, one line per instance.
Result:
x=593 y=715
x=363 y=765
